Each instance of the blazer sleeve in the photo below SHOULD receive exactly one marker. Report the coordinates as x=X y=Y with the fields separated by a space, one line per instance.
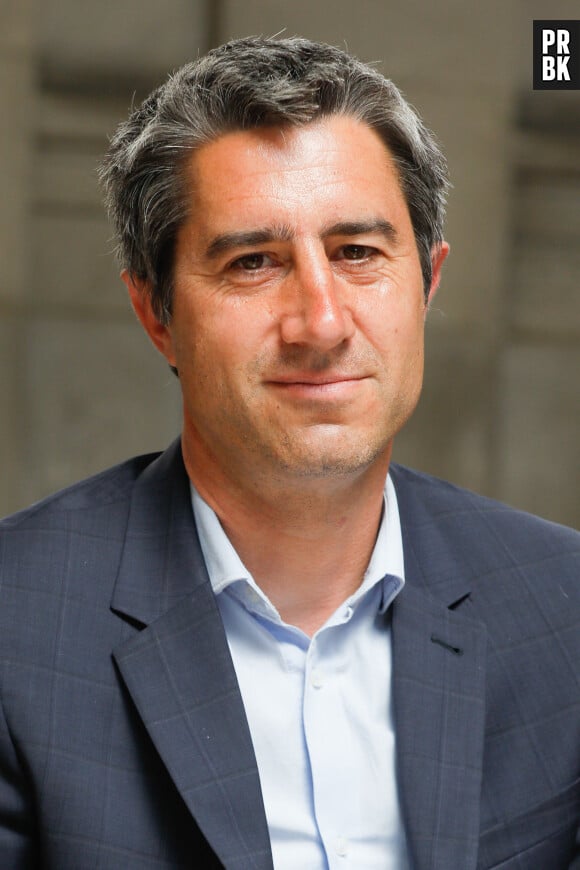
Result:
x=18 y=849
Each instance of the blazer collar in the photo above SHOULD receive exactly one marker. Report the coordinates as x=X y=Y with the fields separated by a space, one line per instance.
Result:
x=161 y=561
x=178 y=668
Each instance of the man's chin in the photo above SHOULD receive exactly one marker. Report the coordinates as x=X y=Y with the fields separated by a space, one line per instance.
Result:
x=325 y=461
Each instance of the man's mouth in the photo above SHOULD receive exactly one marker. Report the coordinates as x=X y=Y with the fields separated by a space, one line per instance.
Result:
x=317 y=385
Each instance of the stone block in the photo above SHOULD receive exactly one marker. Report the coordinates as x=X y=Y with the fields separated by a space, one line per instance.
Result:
x=78 y=118
x=538 y=442
x=66 y=176
x=548 y=207
x=73 y=262
x=16 y=17
x=80 y=42
x=15 y=141
x=544 y=296
x=97 y=393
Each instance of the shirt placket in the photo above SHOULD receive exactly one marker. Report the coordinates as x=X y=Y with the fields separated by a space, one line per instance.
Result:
x=326 y=738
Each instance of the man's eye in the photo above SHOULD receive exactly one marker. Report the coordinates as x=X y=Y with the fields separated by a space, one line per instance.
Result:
x=356 y=252
x=251 y=262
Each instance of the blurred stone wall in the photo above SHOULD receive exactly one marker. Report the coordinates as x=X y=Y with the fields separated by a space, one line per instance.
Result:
x=80 y=388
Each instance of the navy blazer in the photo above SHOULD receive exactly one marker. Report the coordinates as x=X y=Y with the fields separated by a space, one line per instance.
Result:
x=123 y=738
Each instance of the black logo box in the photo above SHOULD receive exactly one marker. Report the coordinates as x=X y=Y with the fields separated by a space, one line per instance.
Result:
x=572 y=65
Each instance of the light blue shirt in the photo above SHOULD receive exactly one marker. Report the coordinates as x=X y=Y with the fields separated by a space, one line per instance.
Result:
x=319 y=709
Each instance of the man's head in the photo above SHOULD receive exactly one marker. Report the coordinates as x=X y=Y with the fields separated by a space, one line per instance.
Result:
x=279 y=209
x=243 y=85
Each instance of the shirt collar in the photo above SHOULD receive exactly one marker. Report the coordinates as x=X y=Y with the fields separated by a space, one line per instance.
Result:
x=387 y=562
x=225 y=567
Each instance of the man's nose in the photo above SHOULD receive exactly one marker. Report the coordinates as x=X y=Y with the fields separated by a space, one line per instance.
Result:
x=315 y=310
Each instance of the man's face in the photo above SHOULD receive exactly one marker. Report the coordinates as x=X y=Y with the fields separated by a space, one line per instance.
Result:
x=298 y=313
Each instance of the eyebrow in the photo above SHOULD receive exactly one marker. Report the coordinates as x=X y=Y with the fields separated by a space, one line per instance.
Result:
x=228 y=241
x=362 y=228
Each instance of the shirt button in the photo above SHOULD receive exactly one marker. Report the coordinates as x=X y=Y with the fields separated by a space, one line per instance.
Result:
x=316 y=680
x=341 y=847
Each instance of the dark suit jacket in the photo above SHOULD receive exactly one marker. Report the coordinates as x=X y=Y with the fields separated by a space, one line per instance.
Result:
x=123 y=738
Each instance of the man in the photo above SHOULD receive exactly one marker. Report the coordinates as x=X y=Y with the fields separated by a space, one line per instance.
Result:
x=262 y=647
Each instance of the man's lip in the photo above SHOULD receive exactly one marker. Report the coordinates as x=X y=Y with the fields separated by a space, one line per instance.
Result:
x=315 y=380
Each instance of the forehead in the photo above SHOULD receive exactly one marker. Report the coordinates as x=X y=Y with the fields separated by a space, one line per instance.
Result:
x=330 y=169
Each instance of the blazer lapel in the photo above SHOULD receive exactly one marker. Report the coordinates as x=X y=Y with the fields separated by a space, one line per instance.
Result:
x=179 y=672
x=438 y=695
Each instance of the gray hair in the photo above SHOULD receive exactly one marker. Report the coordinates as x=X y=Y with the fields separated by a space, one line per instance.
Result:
x=245 y=84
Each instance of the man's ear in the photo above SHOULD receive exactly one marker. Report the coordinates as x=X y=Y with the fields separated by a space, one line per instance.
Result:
x=438 y=254
x=159 y=333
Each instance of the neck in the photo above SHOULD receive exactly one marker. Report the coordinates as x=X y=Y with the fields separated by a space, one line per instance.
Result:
x=307 y=543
